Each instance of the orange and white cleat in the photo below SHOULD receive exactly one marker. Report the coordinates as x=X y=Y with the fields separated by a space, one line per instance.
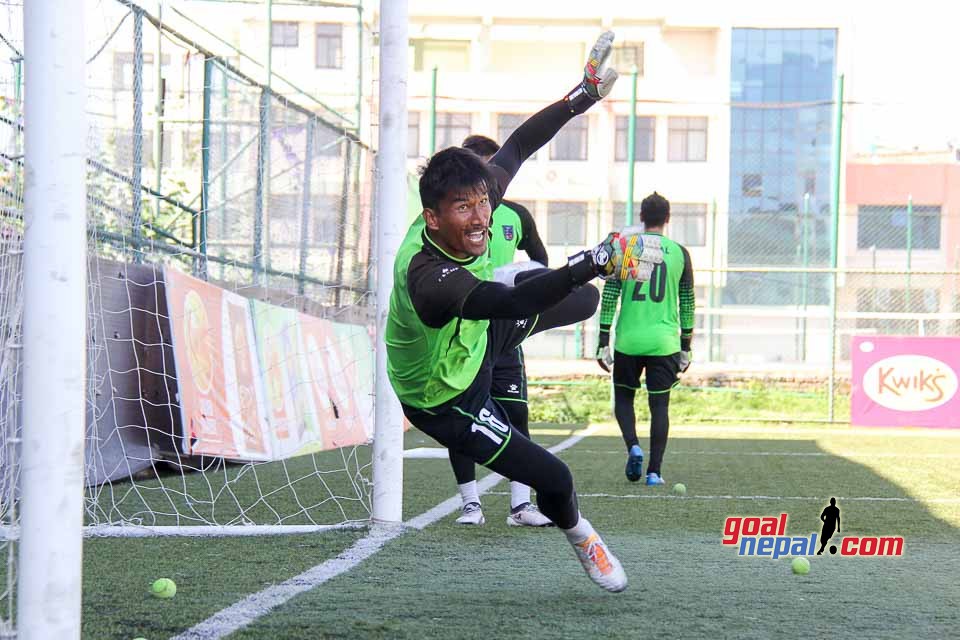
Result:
x=600 y=564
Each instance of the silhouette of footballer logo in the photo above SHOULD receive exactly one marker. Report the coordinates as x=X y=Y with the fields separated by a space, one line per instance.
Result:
x=885 y=545
x=830 y=517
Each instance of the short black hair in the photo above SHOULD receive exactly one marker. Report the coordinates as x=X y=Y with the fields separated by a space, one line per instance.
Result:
x=654 y=210
x=480 y=145
x=451 y=170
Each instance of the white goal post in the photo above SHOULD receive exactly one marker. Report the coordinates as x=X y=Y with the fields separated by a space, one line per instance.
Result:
x=55 y=274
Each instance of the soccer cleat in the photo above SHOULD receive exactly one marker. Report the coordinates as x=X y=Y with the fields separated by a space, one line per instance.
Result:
x=654 y=479
x=472 y=514
x=527 y=515
x=601 y=565
x=634 y=463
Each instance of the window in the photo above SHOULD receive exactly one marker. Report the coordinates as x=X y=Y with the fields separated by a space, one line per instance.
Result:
x=644 y=143
x=324 y=217
x=529 y=205
x=285 y=208
x=452 y=128
x=329 y=46
x=123 y=71
x=571 y=142
x=507 y=123
x=166 y=148
x=895 y=301
x=752 y=185
x=223 y=145
x=123 y=149
x=688 y=224
x=285 y=34
x=413 y=134
x=446 y=55
x=701 y=300
x=687 y=139
x=327 y=142
x=620 y=215
x=886 y=227
x=567 y=223
x=627 y=56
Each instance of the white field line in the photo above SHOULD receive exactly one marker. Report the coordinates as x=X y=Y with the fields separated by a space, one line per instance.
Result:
x=774 y=430
x=256 y=605
x=667 y=496
x=802 y=454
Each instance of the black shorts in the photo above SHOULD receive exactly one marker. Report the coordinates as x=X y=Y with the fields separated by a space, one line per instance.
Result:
x=661 y=371
x=509 y=377
x=474 y=423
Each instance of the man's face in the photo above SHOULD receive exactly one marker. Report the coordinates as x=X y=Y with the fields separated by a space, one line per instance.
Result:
x=460 y=225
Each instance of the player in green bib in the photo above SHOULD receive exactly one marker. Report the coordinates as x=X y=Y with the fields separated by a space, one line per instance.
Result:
x=512 y=228
x=449 y=323
x=654 y=332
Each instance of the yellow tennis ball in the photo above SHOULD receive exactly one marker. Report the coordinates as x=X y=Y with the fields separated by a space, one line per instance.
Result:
x=800 y=566
x=680 y=489
x=163 y=588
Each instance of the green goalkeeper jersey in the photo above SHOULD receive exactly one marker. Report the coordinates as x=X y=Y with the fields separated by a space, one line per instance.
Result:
x=432 y=356
x=653 y=314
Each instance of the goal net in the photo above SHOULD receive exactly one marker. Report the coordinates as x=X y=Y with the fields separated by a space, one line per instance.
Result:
x=229 y=311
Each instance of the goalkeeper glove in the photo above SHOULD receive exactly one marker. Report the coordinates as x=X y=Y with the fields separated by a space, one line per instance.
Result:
x=604 y=355
x=598 y=79
x=683 y=359
x=630 y=256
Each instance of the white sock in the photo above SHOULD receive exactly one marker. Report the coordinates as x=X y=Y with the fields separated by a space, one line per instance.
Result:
x=519 y=494
x=468 y=492
x=580 y=531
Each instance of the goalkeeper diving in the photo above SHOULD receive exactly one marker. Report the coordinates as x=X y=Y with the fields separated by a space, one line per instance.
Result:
x=449 y=322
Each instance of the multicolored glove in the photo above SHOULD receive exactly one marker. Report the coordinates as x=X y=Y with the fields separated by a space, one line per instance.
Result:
x=598 y=79
x=604 y=354
x=627 y=256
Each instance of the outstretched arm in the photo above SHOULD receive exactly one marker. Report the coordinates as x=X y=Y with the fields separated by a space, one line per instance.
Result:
x=539 y=129
x=533 y=294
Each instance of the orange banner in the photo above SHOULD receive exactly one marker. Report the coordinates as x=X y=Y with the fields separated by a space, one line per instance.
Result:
x=217 y=371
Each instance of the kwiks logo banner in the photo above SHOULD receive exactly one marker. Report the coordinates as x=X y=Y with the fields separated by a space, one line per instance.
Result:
x=905 y=381
x=768 y=537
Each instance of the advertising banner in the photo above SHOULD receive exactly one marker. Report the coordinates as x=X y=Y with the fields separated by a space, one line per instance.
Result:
x=905 y=381
x=292 y=412
x=218 y=372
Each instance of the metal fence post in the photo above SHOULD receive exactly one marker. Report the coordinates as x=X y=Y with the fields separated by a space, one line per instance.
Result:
x=201 y=259
x=835 y=239
x=262 y=151
x=137 y=203
x=307 y=201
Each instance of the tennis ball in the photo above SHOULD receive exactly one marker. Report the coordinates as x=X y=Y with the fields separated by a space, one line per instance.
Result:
x=800 y=566
x=163 y=588
x=680 y=489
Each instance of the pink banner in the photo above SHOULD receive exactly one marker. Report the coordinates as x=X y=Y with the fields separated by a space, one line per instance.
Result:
x=901 y=381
